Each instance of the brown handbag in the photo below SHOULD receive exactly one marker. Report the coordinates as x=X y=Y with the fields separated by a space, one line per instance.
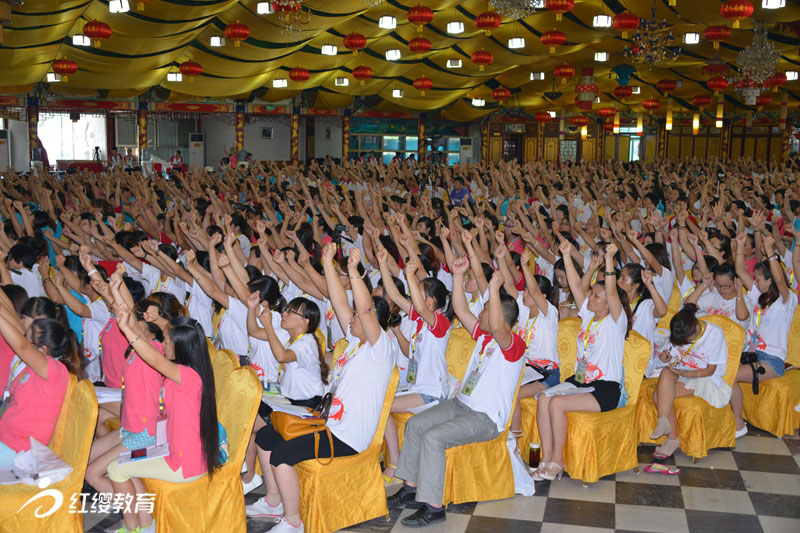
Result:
x=291 y=426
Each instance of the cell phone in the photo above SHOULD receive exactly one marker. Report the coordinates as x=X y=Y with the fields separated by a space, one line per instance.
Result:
x=141 y=453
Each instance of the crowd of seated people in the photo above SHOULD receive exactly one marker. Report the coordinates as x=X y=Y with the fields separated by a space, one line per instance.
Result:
x=128 y=278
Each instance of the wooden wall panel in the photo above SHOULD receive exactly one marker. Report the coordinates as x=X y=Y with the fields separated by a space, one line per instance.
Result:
x=624 y=148
x=650 y=147
x=551 y=148
x=700 y=147
x=713 y=146
x=673 y=147
x=687 y=147
x=749 y=147
x=611 y=145
x=588 y=149
x=775 y=148
x=736 y=148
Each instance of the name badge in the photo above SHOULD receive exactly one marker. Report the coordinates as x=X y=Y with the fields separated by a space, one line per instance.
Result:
x=469 y=385
x=580 y=372
x=411 y=376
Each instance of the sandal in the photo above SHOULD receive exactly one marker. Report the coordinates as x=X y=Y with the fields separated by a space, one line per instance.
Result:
x=389 y=480
x=658 y=468
x=666 y=450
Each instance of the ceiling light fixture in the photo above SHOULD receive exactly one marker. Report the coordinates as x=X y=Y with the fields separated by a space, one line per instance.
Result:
x=174 y=76
x=264 y=8
x=636 y=89
x=216 y=41
x=397 y=93
x=553 y=114
x=280 y=83
x=773 y=4
x=537 y=76
x=341 y=82
x=393 y=54
x=119 y=6
x=601 y=21
x=516 y=42
x=760 y=58
x=52 y=77
x=652 y=43
x=691 y=38
x=601 y=56
x=791 y=75
x=478 y=102
x=329 y=50
x=516 y=9
x=387 y=22
x=455 y=27
x=453 y=63
x=81 y=40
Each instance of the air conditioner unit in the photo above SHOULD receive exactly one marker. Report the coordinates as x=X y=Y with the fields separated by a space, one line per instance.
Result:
x=197 y=150
x=5 y=150
x=466 y=150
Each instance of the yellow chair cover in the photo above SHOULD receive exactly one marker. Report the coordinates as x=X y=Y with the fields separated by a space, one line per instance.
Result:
x=212 y=352
x=73 y=445
x=772 y=409
x=224 y=362
x=216 y=503
x=700 y=426
x=567 y=347
x=480 y=471
x=600 y=444
x=673 y=306
x=350 y=489
x=57 y=440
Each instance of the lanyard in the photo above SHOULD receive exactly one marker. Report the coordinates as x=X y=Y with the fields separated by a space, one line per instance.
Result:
x=420 y=324
x=685 y=354
x=159 y=285
x=487 y=340
x=341 y=361
x=634 y=302
x=11 y=376
x=286 y=347
x=530 y=330
x=586 y=335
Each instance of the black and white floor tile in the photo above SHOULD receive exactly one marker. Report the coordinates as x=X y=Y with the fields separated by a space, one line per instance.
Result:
x=752 y=488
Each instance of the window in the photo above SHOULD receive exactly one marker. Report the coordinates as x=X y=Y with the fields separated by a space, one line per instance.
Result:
x=412 y=144
x=64 y=139
x=454 y=144
x=388 y=156
x=391 y=142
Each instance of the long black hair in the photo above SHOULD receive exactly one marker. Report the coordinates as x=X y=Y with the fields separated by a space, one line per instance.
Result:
x=268 y=292
x=61 y=342
x=767 y=298
x=310 y=311
x=683 y=325
x=634 y=272
x=191 y=350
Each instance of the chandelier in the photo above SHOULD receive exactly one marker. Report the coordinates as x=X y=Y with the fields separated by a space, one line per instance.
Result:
x=372 y=3
x=652 y=43
x=516 y=9
x=760 y=59
x=292 y=15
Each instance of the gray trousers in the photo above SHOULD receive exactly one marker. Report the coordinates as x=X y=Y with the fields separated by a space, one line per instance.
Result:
x=429 y=434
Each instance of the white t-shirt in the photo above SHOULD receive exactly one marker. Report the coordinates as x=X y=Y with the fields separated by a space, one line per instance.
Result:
x=604 y=346
x=446 y=278
x=772 y=329
x=499 y=371
x=364 y=371
x=686 y=288
x=644 y=323
x=30 y=280
x=712 y=303
x=301 y=379
x=540 y=333
x=244 y=243
x=152 y=279
x=664 y=283
x=201 y=308
x=232 y=328
x=710 y=349
x=330 y=324
x=428 y=347
x=91 y=337
x=261 y=358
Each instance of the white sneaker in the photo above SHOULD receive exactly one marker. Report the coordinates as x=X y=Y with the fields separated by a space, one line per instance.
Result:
x=283 y=526
x=262 y=509
x=741 y=432
x=254 y=483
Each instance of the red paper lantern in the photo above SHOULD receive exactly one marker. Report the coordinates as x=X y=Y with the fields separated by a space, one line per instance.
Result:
x=190 y=69
x=608 y=126
x=717 y=84
x=763 y=100
x=542 y=116
x=423 y=84
x=701 y=100
x=606 y=112
x=237 y=33
x=666 y=86
x=501 y=93
x=488 y=21
x=420 y=45
x=622 y=91
x=564 y=71
x=559 y=7
x=651 y=103
x=625 y=22
x=420 y=15
x=715 y=69
x=736 y=10
x=553 y=38
x=482 y=58
x=355 y=42
x=299 y=75
x=586 y=88
x=777 y=80
x=362 y=74
x=65 y=67
x=580 y=121
x=716 y=34
x=97 y=31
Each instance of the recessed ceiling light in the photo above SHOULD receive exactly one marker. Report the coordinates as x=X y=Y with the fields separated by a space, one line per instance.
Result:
x=174 y=76
x=216 y=41
x=453 y=63
x=455 y=27
x=81 y=40
x=119 y=6
x=601 y=56
x=341 y=82
x=516 y=42
x=478 y=102
x=280 y=83
x=773 y=4
x=387 y=22
x=329 y=50
x=791 y=75
x=393 y=54
x=397 y=93
x=537 y=76
x=636 y=89
x=601 y=21
x=691 y=38
x=264 y=8
x=52 y=77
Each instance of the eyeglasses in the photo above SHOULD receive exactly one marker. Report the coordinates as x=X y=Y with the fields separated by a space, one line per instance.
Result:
x=726 y=287
x=298 y=313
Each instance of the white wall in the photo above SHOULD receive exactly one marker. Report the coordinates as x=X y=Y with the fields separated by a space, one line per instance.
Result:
x=327 y=147
x=20 y=153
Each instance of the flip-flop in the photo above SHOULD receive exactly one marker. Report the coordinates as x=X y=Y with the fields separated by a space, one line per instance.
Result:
x=658 y=468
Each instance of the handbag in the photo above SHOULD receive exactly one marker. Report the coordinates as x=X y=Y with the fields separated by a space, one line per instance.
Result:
x=750 y=358
x=291 y=426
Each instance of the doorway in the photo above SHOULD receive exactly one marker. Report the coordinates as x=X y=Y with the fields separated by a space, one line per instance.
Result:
x=634 y=148
x=512 y=147
x=568 y=150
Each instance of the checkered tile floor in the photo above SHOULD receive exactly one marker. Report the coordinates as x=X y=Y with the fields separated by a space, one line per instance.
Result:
x=754 y=487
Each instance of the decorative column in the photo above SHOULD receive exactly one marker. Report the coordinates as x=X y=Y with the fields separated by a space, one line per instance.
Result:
x=238 y=123
x=346 y=135
x=141 y=123
x=725 y=142
x=485 y=141
x=421 y=138
x=33 y=125
x=294 y=122
x=662 y=142
x=785 y=128
x=600 y=147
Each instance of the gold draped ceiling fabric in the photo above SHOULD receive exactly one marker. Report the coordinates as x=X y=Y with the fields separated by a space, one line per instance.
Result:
x=146 y=44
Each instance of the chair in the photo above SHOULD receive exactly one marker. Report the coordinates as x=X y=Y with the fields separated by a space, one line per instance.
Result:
x=480 y=471
x=772 y=409
x=57 y=440
x=567 y=348
x=701 y=427
x=214 y=503
x=600 y=444
x=673 y=306
x=72 y=443
x=459 y=350
x=350 y=489
x=224 y=362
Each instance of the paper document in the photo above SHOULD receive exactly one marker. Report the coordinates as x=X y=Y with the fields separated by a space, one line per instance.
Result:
x=530 y=375
x=563 y=389
x=296 y=410
x=108 y=394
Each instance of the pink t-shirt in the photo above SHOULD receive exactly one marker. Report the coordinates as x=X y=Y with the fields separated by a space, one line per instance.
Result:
x=35 y=404
x=142 y=388
x=114 y=345
x=6 y=355
x=182 y=404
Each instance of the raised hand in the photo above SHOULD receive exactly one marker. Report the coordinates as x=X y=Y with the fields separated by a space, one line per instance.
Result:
x=223 y=261
x=526 y=257
x=253 y=300
x=460 y=265
x=412 y=266
x=647 y=277
x=564 y=247
x=497 y=280
x=328 y=252
x=354 y=259
x=611 y=251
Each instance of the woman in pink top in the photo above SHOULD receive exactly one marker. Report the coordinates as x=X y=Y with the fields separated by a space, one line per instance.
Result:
x=35 y=395
x=189 y=405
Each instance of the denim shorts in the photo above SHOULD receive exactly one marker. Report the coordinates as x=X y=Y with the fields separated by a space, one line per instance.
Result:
x=553 y=378
x=430 y=399
x=772 y=361
x=136 y=441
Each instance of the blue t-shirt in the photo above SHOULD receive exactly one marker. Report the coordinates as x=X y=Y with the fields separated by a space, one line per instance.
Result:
x=76 y=321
